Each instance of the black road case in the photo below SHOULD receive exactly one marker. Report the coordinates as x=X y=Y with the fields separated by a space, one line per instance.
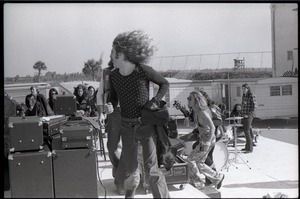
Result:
x=178 y=174
x=10 y=106
x=77 y=134
x=31 y=174
x=75 y=173
x=25 y=133
x=65 y=105
x=52 y=124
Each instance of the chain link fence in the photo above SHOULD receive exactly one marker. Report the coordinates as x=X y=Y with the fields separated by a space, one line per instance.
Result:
x=212 y=61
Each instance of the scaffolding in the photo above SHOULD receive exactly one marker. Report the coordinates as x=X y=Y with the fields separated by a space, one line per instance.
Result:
x=239 y=63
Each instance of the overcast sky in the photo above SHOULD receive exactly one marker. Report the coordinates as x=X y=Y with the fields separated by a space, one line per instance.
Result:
x=64 y=36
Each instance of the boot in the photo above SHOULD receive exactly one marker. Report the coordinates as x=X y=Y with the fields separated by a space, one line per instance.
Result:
x=130 y=194
x=219 y=184
x=207 y=181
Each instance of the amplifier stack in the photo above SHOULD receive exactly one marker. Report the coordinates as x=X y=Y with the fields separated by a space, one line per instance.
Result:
x=51 y=157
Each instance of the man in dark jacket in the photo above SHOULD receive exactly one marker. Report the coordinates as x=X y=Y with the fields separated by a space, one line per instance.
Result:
x=37 y=104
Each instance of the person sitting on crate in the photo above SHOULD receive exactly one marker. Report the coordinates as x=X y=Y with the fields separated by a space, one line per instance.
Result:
x=236 y=112
x=206 y=141
x=92 y=102
x=36 y=104
x=52 y=97
x=81 y=99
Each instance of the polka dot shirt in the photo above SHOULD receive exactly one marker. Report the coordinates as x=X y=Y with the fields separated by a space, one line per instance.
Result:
x=132 y=91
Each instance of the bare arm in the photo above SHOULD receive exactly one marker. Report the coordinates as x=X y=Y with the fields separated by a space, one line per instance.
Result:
x=100 y=99
x=208 y=125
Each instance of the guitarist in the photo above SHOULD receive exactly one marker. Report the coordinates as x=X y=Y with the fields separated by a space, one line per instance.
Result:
x=218 y=128
x=205 y=143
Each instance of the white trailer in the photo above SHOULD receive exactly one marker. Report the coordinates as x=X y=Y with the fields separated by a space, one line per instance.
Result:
x=277 y=98
x=179 y=90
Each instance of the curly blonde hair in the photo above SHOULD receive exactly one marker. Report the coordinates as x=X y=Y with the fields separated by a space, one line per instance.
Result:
x=200 y=100
x=135 y=45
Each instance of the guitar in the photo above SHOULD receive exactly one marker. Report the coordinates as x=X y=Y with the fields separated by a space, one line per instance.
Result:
x=178 y=106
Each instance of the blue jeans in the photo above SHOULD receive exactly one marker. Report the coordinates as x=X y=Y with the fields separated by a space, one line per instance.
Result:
x=114 y=137
x=132 y=132
x=196 y=164
x=248 y=135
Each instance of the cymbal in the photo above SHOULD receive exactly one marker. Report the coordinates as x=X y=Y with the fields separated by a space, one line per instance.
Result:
x=234 y=118
x=236 y=125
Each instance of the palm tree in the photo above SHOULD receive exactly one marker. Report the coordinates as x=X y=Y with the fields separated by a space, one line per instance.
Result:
x=39 y=66
x=92 y=68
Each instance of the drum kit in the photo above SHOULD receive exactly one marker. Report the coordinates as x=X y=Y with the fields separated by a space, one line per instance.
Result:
x=221 y=153
x=237 y=153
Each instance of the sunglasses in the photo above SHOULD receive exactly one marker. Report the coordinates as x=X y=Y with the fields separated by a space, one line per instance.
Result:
x=189 y=98
x=118 y=44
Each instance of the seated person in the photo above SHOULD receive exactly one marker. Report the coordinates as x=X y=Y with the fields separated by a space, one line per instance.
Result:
x=37 y=104
x=81 y=100
x=21 y=110
x=236 y=112
x=92 y=101
x=52 y=97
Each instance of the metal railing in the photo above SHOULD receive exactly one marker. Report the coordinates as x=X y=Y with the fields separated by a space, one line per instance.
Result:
x=262 y=59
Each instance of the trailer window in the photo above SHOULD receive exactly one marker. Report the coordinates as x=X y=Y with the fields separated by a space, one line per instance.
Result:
x=274 y=90
x=287 y=90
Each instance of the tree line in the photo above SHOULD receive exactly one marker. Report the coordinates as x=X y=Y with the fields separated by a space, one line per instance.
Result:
x=211 y=75
x=91 y=69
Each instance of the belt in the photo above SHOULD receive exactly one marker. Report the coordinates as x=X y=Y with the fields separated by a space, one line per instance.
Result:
x=131 y=120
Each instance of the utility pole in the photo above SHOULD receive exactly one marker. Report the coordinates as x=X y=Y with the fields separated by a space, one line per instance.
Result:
x=229 y=92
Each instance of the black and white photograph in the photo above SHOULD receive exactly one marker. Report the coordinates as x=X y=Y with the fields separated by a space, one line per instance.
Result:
x=150 y=99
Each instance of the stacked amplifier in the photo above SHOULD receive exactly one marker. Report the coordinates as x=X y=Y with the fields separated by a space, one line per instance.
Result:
x=52 y=157
x=30 y=163
x=74 y=161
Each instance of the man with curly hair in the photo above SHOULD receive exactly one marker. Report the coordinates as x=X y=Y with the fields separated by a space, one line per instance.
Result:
x=130 y=88
x=81 y=99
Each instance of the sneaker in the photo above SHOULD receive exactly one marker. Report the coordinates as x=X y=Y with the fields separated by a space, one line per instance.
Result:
x=218 y=186
x=244 y=149
x=198 y=185
x=247 y=151
x=254 y=144
x=120 y=190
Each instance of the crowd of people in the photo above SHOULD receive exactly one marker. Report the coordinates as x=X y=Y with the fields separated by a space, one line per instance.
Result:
x=36 y=103
x=122 y=93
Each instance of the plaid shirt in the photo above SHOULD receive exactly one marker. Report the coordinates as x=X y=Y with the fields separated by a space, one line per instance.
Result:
x=248 y=104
